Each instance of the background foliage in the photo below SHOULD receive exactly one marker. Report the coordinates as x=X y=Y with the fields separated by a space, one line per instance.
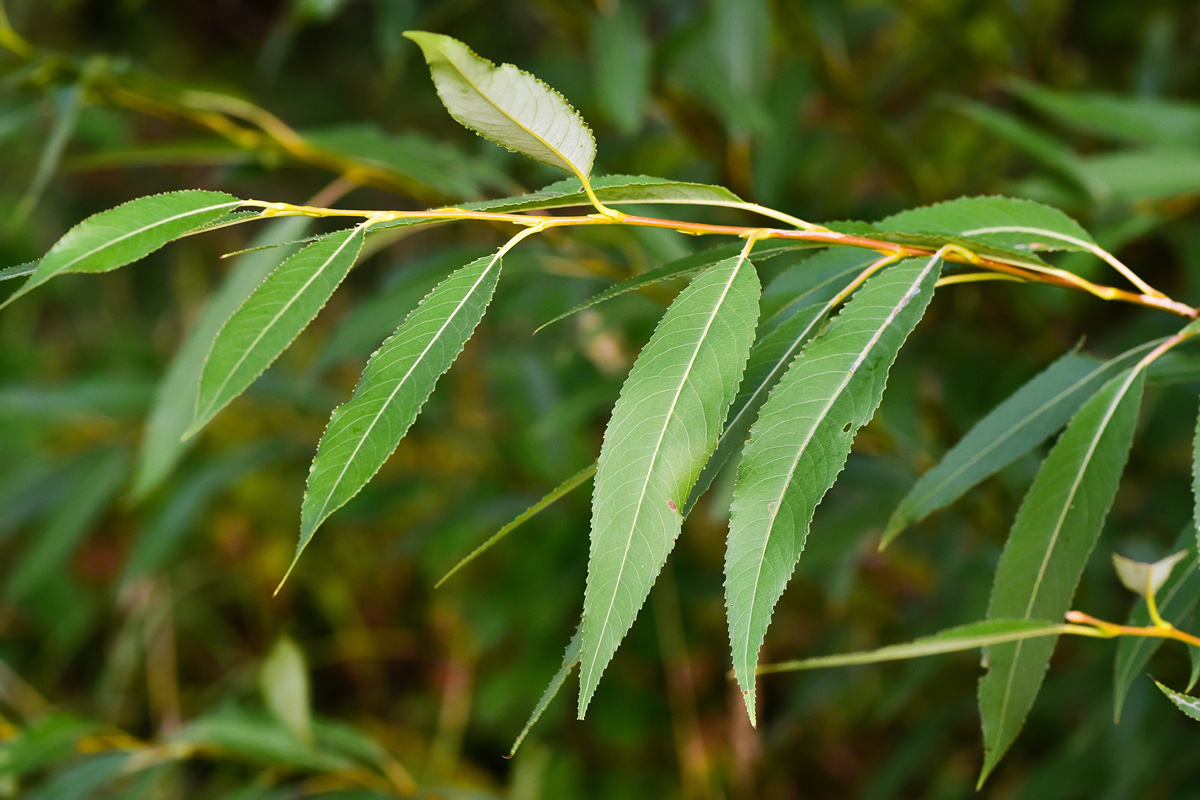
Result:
x=141 y=627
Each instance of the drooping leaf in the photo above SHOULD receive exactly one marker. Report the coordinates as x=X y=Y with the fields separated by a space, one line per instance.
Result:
x=283 y=681
x=663 y=428
x=1186 y=703
x=951 y=640
x=1053 y=535
x=270 y=320
x=170 y=415
x=569 y=662
x=1020 y=423
x=800 y=442
x=397 y=381
x=124 y=234
x=564 y=488
x=1001 y=221
x=1176 y=599
x=622 y=61
x=826 y=274
x=507 y=106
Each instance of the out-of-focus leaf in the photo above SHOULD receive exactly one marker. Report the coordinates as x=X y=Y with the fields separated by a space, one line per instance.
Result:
x=260 y=739
x=399 y=378
x=1010 y=430
x=103 y=396
x=270 y=320
x=1186 y=703
x=1134 y=119
x=1147 y=174
x=124 y=234
x=800 y=442
x=1176 y=599
x=97 y=479
x=283 y=681
x=68 y=104
x=1054 y=532
x=1001 y=221
x=622 y=59
x=951 y=640
x=507 y=106
x=163 y=444
x=82 y=779
x=1142 y=578
x=569 y=662
x=663 y=428
x=47 y=740
x=826 y=275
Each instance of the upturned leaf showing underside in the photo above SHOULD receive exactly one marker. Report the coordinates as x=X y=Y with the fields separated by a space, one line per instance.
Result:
x=800 y=442
x=397 y=381
x=507 y=106
x=1053 y=535
x=663 y=428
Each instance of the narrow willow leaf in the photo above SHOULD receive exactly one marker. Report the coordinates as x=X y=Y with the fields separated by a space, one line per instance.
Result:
x=623 y=58
x=951 y=640
x=800 y=442
x=1186 y=703
x=1052 y=536
x=399 y=378
x=124 y=234
x=569 y=662
x=1176 y=599
x=1149 y=174
x=829 y=273
x=1196 y=481
x=507 y=106
x=1010 y=430
x=270 y=320
x=1001 y=221
x=564 y=488
x=663 y=428
x=162 y=443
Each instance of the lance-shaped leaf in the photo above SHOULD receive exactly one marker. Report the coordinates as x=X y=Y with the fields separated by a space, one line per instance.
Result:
x=507 y=106
x=663 y=428
x=1196 y=481
x=271 y=319
x=569 y=662
x=1186 y=703
x=1001 y=221
x=828 y=274
x=124 y=234
x=951 y=640
x=1052 y=536
x=1176 y=599
x=1010 y=430
x=800 y=442
x=397 y=381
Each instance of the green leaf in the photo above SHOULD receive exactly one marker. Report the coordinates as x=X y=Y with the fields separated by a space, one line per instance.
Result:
x=1196 y=481
x=622 y=60
x=124 y=234
x=1176 y=600
x=171 y=414
x=951 y=640
x=663 y=428
x=271 y=318
x=564 y=488
x=507 y=106
x=1134 y=119
x=825 y=275
x=1151 y=174
x=256 y=738
x=999 y=221
x=283 y=681
x=397 y=381
x=569 y=662
x=1010 y=430
x=1054 y=532
x=800 y=442
x=1186 y=703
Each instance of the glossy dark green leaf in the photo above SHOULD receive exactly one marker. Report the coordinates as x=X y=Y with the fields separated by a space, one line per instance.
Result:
x=1051 y=539
x=800 y=442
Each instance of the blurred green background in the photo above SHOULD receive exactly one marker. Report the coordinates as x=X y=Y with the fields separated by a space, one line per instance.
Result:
x=137 y=624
